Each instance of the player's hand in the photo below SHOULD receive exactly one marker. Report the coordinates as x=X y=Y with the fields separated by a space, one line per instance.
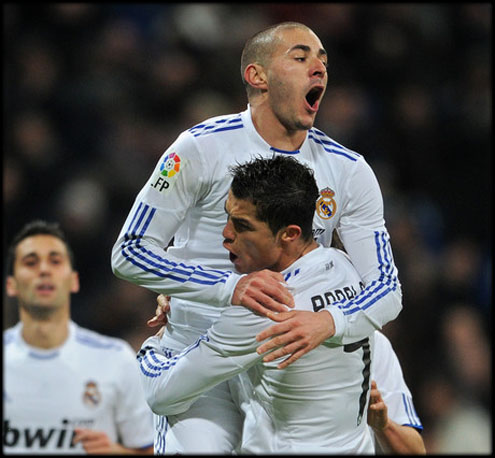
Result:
x=162 y=308
x=96 y=442
x=263 y=292
x=377 y=409
x=298 y=332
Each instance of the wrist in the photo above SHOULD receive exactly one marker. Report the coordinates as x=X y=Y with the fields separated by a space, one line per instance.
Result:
x=387 y=425
x=330 y=320
x=338 y=324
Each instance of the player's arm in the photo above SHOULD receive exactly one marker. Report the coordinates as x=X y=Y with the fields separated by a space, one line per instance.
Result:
x=139 y=255
x=98 y=443
x=366 y=240
x=391 y=413
x=173 y=383
x=393 y=438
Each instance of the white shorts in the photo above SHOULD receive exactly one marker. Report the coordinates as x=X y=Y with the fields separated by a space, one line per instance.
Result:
x=213 y=424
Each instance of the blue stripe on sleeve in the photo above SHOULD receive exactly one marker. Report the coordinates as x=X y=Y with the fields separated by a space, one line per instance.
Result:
x=331 y=146
x=411 y=412
x=219 y=125
x=161 y=434
x=148 y=261
x=379 y=288
x=152 y=366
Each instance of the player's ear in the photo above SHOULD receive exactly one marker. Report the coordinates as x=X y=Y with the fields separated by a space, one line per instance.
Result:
x=290 y=233
x=255 y=76
x=11 y=286
x=74 y=282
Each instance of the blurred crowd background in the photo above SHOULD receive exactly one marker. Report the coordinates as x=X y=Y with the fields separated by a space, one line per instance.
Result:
x=94 y=93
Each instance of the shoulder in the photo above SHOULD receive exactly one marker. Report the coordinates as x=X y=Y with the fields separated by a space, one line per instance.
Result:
x=356 y=169
x=332 y=147
x=336 y=259
x=382 y=344
x=320 y=260
x=382 y=339
x=323 y=269
x=10 y=335
x=204 y=144
x=216 y=125
x=384 y=355
x=94 y=340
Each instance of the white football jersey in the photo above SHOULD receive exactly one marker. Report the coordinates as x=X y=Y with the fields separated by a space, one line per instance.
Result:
x=316 y=405
x=184 y=200
x=389 y=378
x=91 y=381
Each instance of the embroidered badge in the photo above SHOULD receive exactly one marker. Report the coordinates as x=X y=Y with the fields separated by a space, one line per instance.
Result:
x=92 y=395
x=169 y=168
x=326 y=205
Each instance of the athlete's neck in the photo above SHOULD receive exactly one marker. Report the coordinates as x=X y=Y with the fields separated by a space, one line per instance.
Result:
x=294 y=252
x=48 y=333
x=272 y=131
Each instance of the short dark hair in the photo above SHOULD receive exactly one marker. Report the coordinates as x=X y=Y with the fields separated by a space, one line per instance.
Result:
x=37 y=227
x=283 y=190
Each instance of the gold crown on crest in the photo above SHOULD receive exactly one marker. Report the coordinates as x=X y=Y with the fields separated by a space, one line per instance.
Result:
x=327 y=193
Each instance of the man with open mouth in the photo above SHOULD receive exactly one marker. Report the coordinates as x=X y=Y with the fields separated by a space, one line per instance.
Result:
x=284 y=70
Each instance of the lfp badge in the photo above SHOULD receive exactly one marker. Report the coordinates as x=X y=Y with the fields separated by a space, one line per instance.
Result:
x=326 y=205
x=169 y=168
x=170 y=165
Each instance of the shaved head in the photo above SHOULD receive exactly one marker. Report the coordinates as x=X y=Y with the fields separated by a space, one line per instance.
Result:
x=259 y=48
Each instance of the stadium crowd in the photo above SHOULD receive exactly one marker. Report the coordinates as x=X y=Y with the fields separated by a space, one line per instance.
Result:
x=94 y=93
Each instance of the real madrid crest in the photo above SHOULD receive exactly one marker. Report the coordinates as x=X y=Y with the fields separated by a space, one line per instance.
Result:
x=91 y=395
x=326 y=205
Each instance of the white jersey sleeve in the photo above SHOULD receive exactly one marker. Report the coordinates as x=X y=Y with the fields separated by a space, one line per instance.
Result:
x=387 y=373
x=365 y=237
x=172 y=384
x=178 y=182
x=299 y=402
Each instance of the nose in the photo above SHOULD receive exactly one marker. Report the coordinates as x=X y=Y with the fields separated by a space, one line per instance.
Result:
x=45 y=268
x=318 y=68
x=228 y=232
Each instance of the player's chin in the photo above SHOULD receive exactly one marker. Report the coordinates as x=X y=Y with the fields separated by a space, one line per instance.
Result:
x=241 y=267
x=307 y=120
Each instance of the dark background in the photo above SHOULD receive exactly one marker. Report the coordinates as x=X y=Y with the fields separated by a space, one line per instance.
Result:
x=94 y=93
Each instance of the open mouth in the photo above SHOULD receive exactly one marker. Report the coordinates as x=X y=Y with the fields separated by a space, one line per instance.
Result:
x=45 y=289
x=232 y=257
x=313 y=96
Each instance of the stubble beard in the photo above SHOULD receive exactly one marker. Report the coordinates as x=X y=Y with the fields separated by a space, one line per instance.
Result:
x=289 y=118
x=39 y=312
x=287 y=112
